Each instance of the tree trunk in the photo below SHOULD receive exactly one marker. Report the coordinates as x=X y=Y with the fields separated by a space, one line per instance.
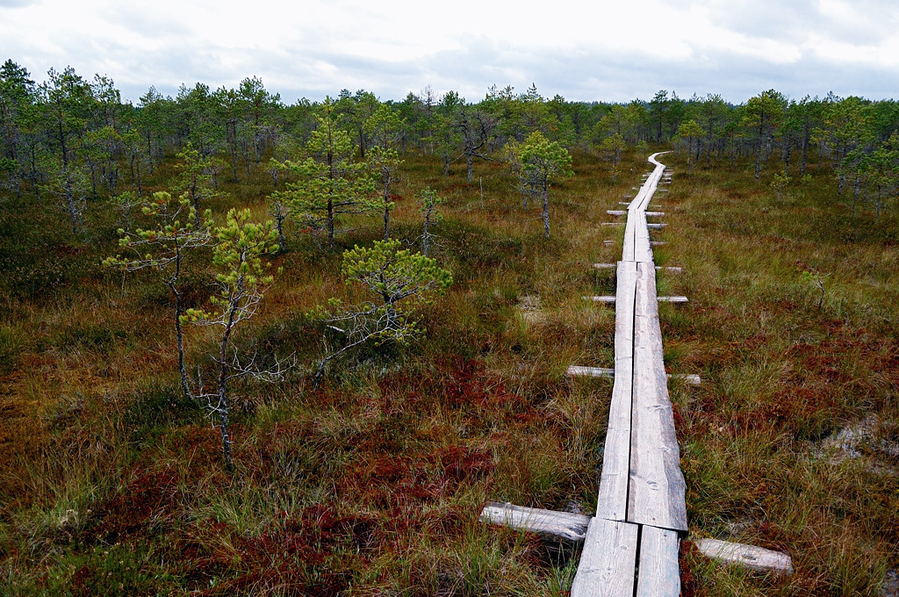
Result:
x=222 y=406
x=179 y=335
x=546 y=209
x=330 y=222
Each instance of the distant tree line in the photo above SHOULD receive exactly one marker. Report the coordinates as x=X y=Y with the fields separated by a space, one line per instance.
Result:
x=75 y=139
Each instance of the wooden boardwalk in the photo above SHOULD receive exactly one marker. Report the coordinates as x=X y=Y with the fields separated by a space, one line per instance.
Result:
x=631 y=545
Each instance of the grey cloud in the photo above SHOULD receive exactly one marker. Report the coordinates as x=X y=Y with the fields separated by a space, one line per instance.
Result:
x=792 y=22
x=295 y=71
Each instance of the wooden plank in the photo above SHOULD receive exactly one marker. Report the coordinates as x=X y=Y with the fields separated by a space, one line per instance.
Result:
x=659 y=574
x=656 y=490
x=756 y=558
x=605 y=265
x=564 y=526
x=611 y=299
x=613 y=223
x=616 y=212
x=601 y=299
x=642 y=251
x=608 y=561
x=577 y=371
x=612 y=500
x=691 y=379
x=653 y=226
x=655 y=214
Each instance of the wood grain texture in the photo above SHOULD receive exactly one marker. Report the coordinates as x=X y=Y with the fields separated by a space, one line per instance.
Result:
x=576 y=371
x=657 y=489
x=608 y=561
x=613 y=481
x=571 y=528
x=659 y=574
x=748 y=556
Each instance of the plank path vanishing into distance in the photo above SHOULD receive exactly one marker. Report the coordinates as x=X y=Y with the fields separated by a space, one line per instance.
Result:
x=632 y=544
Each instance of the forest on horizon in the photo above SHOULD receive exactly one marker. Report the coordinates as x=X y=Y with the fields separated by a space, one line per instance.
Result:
x=69 y=135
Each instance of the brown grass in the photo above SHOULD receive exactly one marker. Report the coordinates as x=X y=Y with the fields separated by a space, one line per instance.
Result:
x=372 y=483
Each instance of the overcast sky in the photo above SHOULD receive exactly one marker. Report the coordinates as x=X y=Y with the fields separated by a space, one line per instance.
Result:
x=604 y=50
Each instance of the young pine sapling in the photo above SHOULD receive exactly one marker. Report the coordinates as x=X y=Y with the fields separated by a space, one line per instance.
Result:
x=242 y=283
x=546 y=161
x=163 y=248
x=394 y=276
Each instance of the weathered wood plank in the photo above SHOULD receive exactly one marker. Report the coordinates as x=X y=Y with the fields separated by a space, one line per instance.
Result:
x=611 y=299
x=756 y=558
x=608 y=561
x=657 y=489
x=642 y=251
x=564 y=526
x=616 y=212
x=659 y=574
x=655 y=214
x=577 y=371
x=605 y=265
x=653 y=226
x=613 y=483
x=693 y=380
x=613 y=223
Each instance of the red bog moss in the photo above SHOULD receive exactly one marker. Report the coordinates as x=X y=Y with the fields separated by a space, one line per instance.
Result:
x=149 y=500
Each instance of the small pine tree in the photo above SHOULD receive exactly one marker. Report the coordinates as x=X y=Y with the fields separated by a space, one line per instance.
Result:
x=242 y=283
x=163 y=248
x=394 y=276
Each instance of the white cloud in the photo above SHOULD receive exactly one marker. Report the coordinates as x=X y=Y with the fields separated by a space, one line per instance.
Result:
x=606 y=50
